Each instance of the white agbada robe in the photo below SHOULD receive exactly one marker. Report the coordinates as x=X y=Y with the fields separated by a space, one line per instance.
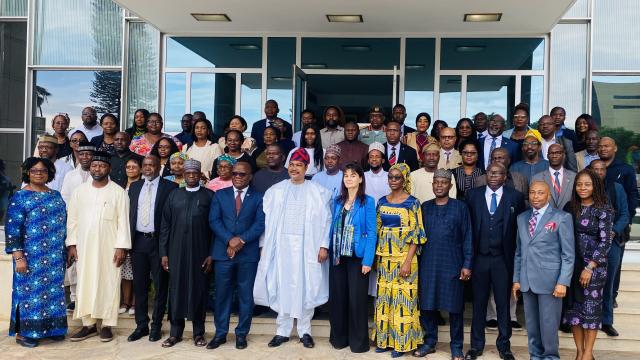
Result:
x=97 y=224
x=290 y=280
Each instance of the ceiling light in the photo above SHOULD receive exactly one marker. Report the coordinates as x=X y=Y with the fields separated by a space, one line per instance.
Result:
x=414 y=66
x=470 y=48
x=345 y=18
x=280 y=78
x=211 y=17
x=356 y=48
x=245 y=46
x=314 y=66
x=482 y=17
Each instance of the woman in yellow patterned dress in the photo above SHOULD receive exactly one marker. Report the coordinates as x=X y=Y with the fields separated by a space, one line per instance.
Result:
x=400 y=232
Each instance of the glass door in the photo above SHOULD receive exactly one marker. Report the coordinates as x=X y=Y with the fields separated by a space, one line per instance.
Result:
x=299 y=95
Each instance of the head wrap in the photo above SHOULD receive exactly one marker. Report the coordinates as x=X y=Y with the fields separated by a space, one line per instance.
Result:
x=442 y=173
x=226 y=157
x=534 y=133
x=101 y=156
x=431 y=146
x=180 y=155
x=300 y=154
x=192 y=164
x=333 y=149
x=86 y=146
x=405 y=170
x=376 y=146
x=48 y=138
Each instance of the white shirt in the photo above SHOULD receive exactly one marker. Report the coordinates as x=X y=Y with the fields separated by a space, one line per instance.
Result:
x=296 y=138
x=553 y=176
x=89 y=132
x=141 y=197
x=377 y=184
x=483 y=134
x=389 y=150
x=487 y=195
x=545 y=147
x=242 y=194
x=541 y=212
x=194 y=189
x=487 y=148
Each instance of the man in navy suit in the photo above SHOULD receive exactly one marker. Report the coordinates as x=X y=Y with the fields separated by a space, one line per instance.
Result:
x=235 y=251
x=493 y=209
x=399 y=114
x=271 y=112
x=494 y=139
x=397 y=152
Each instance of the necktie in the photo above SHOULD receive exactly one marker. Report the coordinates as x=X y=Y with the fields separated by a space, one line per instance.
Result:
x=494 y=203
x=556 y=184
x=238 y=202
x=493 y=145
x=448 y=153
x=532 y=222
x=146 y=205
x=392 y=159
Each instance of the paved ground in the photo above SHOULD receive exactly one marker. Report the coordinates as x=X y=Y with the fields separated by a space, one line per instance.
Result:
x=119 y=348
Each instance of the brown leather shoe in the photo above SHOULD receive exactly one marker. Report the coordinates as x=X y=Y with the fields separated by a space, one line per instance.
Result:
x=105 y=334
x=84 y=333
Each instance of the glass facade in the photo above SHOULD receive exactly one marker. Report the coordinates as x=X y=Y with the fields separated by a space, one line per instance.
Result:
x=350 y=53
x=142 y=69
x=492 y=54
x=490 y=94
x=280 y=57
x=13 y=46
x=13 y=8
x=615 y=35
x=419 y=70
x=211 y=52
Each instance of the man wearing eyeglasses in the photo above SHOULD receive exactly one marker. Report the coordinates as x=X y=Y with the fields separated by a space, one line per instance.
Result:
x=449 y=157
x=533 y=162
x=235 y=251
x=48 y=149
x=90 y=126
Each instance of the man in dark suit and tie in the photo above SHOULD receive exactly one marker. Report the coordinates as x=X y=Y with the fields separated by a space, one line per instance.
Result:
x=235 y=252
x=147 y=197
x=543 y=267
x=399 y=114
x=493 y=209
x=271 y=112
x=494 y=139
x=397 y=152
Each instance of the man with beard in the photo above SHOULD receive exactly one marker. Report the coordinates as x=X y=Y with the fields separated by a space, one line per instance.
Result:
x=274 y=172
x=480 y=122
x=532 y=163
x=399 y=114
x=547 y=128
x=376 y=131
x=147 y=199
x=48 y=149
x=422 y=184
x=185 y=243
x=331 y=177
x=376 y=177
x=494 y=139
x=351 y=149
x=559 y=178
x=332 y=133
x=590 y=153
x=90 y=126
x=97 y=240
x=292 y=276
x=271 y=112
x=121 y=142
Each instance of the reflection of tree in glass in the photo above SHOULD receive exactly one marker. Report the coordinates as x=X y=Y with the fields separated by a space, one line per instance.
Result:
x=41 y=97
x=627 y=142
x=105 y=92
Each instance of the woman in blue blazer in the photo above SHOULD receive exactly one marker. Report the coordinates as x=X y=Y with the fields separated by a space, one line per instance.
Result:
x=352 y=246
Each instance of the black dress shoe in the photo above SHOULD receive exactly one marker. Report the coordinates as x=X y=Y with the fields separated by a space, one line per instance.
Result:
x=27 y=342
x=609 y=330
x=241 y=342
x=565 y=328
x=492 y=324
x=307 y=341
x=472 y=354
x=615 y=304
x=506 y=355
x=516 y=326
x=137 y=334
x=277 y=341
x=155 y=334
x=215 y=343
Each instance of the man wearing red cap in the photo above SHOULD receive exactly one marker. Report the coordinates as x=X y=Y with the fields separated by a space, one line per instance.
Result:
x=293 y=274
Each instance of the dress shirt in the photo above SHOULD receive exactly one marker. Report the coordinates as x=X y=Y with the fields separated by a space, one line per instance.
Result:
x=389 y=151
x=483 y=134
x=141 y=197
x=545 y=147
x=296 y=138
x=588 y=158
x=487 y=148
x=377 y=184
x=541 y=212
x=92 y=132
x=331 y=136
x=242 y=194
x=487 y=196
x=193 y=189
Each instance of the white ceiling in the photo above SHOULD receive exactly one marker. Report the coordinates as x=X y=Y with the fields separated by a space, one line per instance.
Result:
x=380 y=16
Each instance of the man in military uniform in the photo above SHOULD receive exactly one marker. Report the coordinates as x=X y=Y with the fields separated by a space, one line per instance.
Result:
x=375 y=132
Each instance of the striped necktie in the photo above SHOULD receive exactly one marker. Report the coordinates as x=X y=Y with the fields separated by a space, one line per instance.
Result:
x=533 y=222
x=392 y=158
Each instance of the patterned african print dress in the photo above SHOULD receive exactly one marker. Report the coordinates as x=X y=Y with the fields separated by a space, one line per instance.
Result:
x=397 y=315
x=36 y=224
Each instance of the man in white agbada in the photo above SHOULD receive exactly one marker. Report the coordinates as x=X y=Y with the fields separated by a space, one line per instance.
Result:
x=72 y=180
x=293 y=274
x=98 y=236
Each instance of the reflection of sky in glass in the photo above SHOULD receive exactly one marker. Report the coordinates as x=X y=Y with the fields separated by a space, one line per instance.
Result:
x=449 y=106
x=487 y=101
x=203 y=91
x=69 y=94
x=250 y=100
x=536 y=102
x=537 y=62
x=283 y=97
x=175 y=98
x=180 y=56
x=417 y=102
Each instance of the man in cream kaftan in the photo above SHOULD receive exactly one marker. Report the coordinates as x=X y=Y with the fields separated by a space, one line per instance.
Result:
x=292 y=276
x=98 y=225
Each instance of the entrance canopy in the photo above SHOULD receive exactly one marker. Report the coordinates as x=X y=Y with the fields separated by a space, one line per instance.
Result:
x=379 y=16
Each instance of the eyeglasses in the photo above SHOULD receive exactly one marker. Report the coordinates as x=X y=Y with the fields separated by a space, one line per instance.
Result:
x=239 y=174
x=519 y=116
x=555 y=153
x=38 y=171
x=469 y=153
x=395 y=177
x=495 y=173
x=447 y=137
x=75 y=141
x=530 y=143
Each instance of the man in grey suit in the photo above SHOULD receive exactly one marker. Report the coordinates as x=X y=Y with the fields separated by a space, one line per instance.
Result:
x=558 y=178
x=543 y=266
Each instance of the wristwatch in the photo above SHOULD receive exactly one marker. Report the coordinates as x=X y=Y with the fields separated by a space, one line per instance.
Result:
x=590 y=267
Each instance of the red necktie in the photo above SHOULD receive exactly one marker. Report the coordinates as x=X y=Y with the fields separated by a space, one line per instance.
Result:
x=238 y=202
x=392 y=159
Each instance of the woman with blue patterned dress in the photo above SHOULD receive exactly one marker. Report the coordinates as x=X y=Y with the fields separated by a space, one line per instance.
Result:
x=35 y=232
x=400 y=232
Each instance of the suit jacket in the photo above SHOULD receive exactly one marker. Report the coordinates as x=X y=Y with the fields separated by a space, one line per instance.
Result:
x=580 y=160
x=257 y=131
x=568 y=178
x=363 y=220
x=407 y=129
x=406 y=155
x=546 y=258
x=511 y=146
x=225 y=223
x=164 y=188
x=514 y=180
x=570 y=161
x=455 y=160
x=512 y=203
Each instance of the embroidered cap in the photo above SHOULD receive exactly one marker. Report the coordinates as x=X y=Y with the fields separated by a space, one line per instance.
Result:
x=442 y=173
x=48 y=138
x=333 y=149
x=376 y=146
x=300 y=155
x=192 y=164
x=86 y=146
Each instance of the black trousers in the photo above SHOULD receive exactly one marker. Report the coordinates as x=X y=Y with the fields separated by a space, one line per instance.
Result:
x=177 y=327
x=348 y=311
x=145 y=261
x=490 y=272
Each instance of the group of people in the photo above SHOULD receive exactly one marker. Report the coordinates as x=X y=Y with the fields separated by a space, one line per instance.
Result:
x=332 y=215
